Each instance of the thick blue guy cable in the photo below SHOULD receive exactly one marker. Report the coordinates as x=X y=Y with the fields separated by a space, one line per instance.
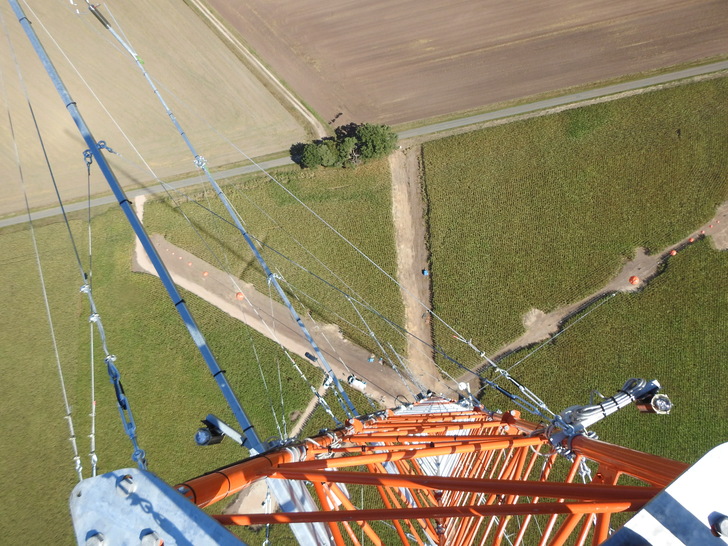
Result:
x=200 y=162
x=251 y=439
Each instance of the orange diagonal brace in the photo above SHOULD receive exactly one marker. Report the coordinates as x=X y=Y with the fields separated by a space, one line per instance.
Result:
x=349 y=506
x=552 y=520
x=388 y=505
x=431 y=512
x=564 y=531
x=588 y=491
x=542 y=478
x=357 y=460
x=607 y=475
x=326 y=505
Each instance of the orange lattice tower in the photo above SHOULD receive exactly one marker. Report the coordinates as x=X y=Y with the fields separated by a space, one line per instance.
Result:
x=440 y=472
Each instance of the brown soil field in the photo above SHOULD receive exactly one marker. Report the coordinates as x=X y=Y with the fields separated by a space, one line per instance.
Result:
x=204 y=84
x=396 y=62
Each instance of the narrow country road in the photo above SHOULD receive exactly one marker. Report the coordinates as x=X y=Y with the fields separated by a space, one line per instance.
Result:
x=592 y=94
x=418 y=134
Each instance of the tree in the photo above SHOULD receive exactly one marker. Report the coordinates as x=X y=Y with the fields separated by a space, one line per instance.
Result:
x=329 y=153
x=347 y=148
x=296 y=151
x=375 y=140
x=310 y=156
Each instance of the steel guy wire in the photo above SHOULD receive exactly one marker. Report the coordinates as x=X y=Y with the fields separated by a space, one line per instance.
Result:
x=252 y=161
x=280 y=392
x=66 y=405
x=99 y=324
x=403 y=363
x=317 y=326
x=201 y=163
x=381 y=347
x=265 y=383
x=267 y=392
x=92 y=436
x=322 y=401
x=299 y=293
x=86 y=278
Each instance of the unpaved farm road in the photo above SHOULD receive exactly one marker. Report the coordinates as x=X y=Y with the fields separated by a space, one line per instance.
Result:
x=243 y=302
x=541 y=326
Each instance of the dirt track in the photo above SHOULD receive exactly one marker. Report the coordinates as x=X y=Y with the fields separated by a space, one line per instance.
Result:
x=395 y=62
x=412 y=261
x=273 y=319
x=541 y=326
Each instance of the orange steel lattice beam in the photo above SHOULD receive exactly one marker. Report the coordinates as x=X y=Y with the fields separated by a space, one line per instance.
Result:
x=448 y=474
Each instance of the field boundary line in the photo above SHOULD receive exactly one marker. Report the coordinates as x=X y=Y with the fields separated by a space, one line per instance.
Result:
x=565 y=102
x=226 y=35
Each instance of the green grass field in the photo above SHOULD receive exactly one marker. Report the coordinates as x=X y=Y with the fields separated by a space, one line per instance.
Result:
x=530 y=214
x=165 y=379
x=542 y=212
x=356 y=201
x=672 y=331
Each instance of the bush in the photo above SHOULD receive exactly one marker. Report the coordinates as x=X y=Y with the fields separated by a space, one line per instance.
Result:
x=329 y=153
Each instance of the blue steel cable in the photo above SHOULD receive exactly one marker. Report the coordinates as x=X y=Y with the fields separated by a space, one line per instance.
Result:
x=251 y=439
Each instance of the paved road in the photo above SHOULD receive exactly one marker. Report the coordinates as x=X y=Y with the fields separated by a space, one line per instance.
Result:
x=566 y=99
x=149 y=190
x=418 y=132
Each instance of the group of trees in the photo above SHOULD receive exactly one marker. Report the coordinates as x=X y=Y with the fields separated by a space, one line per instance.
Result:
x=353 y=144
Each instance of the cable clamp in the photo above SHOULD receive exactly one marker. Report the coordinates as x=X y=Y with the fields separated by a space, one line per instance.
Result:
x=102 y=146
x=140 y=457
x=86 y=289
x=95 y=317
x=200 y=161
x=585 y=471
x=88 y=157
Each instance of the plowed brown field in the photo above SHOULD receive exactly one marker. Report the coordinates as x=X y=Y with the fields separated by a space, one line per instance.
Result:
x=403 y=60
